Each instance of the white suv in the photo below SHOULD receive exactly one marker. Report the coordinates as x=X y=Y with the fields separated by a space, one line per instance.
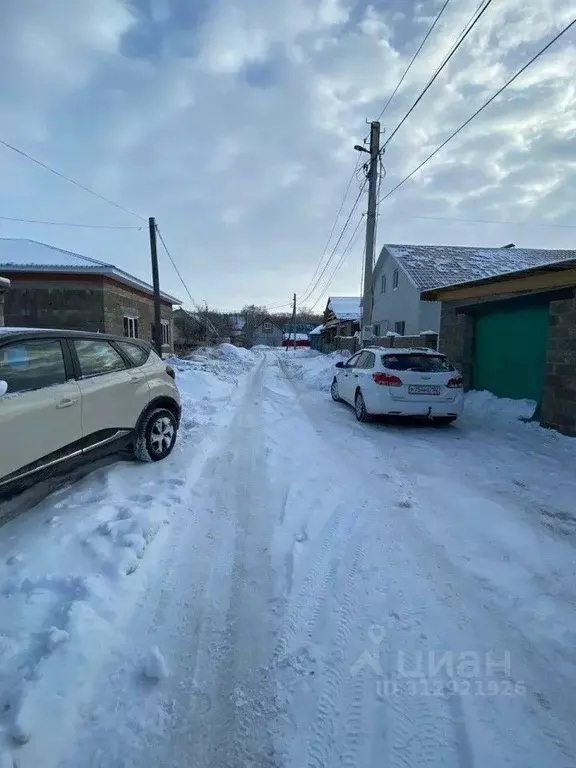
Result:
x=68 y=394
x=381 y=381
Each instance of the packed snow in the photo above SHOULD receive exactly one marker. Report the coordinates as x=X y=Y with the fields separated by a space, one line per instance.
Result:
x=291 y=588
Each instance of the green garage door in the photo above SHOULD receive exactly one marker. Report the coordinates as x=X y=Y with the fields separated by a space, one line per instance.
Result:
x=510 y=352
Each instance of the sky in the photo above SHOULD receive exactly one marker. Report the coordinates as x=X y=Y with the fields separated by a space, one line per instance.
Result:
x=233 y=123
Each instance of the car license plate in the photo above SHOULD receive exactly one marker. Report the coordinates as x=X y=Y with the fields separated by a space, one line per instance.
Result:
x=423 y=389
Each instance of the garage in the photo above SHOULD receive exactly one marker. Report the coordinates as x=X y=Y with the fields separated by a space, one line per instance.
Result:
x=510 y=351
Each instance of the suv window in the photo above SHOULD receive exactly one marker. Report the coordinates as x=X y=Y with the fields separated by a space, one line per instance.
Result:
x=97 y=357
x=29 y=365
x=369 y=360
x=352 y=361
x=415 y=362
x=136 y=354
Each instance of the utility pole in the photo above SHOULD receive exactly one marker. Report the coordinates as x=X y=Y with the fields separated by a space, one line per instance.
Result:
x=366 y=331
x=156 y=286
x=294 y=323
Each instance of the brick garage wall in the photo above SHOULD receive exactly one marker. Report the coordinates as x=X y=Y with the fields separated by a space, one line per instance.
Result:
x=55 y=303
x=429 y=340
x=121 y=301
x=456 y=340
x=559 y=397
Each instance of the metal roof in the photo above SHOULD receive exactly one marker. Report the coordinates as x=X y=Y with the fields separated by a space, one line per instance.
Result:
x=30 y=256
x=436 y=266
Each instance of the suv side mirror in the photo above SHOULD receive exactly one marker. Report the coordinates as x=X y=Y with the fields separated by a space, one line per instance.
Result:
x=3 y=388
x=340 y=364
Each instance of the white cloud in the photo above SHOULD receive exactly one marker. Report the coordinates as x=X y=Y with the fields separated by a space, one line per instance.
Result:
x=245 y=179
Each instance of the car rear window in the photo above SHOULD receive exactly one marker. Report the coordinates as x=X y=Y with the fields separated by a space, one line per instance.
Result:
x=415 y=362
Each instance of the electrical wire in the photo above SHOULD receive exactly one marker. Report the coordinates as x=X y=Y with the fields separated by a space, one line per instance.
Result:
x=481 y=109
x=345 y=252
x=476 y=16
x=67 y=178
x=409 y=67
x=342 y=233
x=325 y=249
x=485 y=221
x=66 y=224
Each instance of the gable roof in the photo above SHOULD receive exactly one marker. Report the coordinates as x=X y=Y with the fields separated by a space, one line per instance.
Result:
x=268 y=319
x=30 y=256
x=344 y=307
x=317 y=331
x=435 y=266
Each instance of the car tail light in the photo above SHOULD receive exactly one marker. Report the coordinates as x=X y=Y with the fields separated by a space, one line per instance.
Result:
x=456 y=382
x=387 y=379
x=171 y=372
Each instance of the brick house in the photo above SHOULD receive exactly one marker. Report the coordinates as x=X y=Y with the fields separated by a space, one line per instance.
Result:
x=53 y=288
x=515 y=335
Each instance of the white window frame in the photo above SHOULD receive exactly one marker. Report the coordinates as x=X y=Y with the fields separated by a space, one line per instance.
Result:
x=133 y=326
x=165 y=326
x=395 y=279
x=376 y=330
x=403 y=324
x=383 y=284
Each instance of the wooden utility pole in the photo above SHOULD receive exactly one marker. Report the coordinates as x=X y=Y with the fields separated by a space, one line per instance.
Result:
x=366 y=331
x=156 y=287
x=294 y=323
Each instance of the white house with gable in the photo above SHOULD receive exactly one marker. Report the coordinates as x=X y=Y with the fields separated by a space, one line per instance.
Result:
x=402 y=272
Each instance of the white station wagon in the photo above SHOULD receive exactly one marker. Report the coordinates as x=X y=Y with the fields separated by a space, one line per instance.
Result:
x=65 y=395
x=381 y=381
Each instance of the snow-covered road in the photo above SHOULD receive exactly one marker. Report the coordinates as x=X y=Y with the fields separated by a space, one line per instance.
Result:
x=292 y=588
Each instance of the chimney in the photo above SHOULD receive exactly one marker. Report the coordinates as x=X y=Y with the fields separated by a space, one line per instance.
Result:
x=4 y=286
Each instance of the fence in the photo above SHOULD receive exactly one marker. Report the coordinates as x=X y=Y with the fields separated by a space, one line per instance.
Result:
x=352 y=343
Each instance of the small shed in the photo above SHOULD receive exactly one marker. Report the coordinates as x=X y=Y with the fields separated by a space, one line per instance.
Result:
x=302 y=340
x=315 y=336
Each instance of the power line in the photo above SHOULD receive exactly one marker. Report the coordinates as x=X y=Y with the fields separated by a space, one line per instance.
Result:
x=176 y=268
x=483 y=107
x=345 y=252
x=67 y=178
x=325 y=249
x=66 y=224
x=342 y=233
x=409 y=67
x=485 y=221
x=476 y=16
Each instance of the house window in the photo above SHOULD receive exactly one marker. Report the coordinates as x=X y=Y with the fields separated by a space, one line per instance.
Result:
x=131 y=327
x=395 y=280
x=267 y=326
x=376 y=329
x=165 y=332
x=383 y=284
x=400 y=327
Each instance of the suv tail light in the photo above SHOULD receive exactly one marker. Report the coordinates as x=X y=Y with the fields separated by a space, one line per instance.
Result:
x=387 y=380
x=456 y=382
x=171 y=372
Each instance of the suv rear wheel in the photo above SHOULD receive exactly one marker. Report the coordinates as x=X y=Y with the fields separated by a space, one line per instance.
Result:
x=156 y=435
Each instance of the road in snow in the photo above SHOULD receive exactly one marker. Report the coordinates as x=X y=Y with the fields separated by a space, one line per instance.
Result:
x=292 y=588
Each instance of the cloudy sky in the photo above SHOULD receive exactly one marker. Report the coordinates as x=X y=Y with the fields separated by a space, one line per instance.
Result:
x=233 y=122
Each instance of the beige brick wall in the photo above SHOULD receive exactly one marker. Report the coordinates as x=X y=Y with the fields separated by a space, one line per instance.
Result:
x=121 y=301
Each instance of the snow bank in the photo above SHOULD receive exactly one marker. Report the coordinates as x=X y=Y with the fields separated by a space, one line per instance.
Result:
x=479 y=405
x=313 y=368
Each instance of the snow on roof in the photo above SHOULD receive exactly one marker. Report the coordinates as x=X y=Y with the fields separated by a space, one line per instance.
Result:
x=28 y=255
x=437 y=266
x=4 y=283
x=345 y=307
x=317 y=331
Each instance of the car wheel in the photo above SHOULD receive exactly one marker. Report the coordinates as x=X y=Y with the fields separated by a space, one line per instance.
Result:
x=360 y=407
x=334 y=392
x=443 y=421
x=156 y=435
